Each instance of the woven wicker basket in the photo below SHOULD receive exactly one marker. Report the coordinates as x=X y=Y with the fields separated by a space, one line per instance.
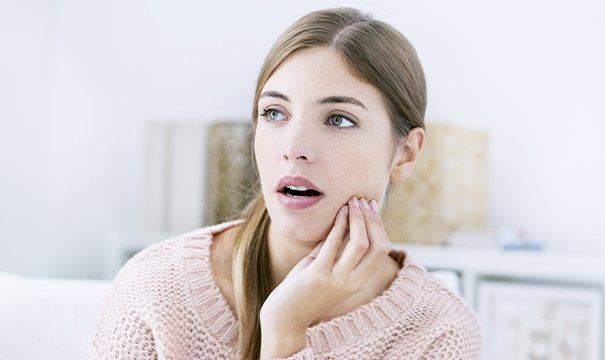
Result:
x=230 y=176
x=447 y=190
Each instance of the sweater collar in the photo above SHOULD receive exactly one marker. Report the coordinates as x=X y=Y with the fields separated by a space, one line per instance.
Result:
x=218 y=316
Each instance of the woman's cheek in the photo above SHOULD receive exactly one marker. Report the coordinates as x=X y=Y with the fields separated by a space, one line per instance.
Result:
x=366 y=177
x=263 y=148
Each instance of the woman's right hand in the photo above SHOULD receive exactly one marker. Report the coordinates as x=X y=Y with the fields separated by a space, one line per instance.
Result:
x=321 y=280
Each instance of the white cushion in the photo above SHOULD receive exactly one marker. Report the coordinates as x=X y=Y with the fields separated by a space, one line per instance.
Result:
x=48 y=318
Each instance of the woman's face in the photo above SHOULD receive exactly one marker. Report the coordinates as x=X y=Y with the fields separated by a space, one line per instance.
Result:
x=342 y=146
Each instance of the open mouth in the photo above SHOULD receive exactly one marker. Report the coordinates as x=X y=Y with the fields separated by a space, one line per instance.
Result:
x=299 y=191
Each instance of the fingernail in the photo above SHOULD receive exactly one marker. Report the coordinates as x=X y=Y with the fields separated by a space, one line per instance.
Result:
x=374 y=205
x=355 y=201
x=346 y=210
x=364 y=203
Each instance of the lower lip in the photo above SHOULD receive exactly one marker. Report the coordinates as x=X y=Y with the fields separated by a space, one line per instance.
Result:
x=297 y=202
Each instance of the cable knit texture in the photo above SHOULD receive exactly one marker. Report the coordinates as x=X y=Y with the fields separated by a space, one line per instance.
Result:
x=165 y=304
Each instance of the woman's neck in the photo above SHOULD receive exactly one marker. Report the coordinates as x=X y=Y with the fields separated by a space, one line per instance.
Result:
x=285 y=253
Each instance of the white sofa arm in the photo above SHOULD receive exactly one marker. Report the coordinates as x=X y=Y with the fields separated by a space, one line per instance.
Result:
x=48 y=318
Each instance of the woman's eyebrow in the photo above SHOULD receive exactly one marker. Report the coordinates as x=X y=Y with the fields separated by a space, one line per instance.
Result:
x=341 y=99
x=275 y=94
x=327 y=100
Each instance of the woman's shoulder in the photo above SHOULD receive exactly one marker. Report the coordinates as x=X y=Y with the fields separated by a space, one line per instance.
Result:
x=151 y=259
x=441 y=318
x=153 y=293
x=443 y=309
x=148 y=275
x=454 y=323
x=170 y=262
x=428 y=299
x=158 y=264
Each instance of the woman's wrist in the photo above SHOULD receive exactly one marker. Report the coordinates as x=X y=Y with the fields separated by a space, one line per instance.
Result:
x=281 y=343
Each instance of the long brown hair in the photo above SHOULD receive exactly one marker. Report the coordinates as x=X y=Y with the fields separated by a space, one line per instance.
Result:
x=376 y=53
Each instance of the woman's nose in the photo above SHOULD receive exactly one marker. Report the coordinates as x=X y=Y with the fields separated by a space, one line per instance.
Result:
x=299 y=144
x=288 y=156
x=296 y=152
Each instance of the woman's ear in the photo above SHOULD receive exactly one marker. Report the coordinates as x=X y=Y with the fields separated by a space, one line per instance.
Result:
x=407 y=155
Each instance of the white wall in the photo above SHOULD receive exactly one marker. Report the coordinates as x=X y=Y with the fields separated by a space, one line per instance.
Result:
x=25 y=122
x=84 y=76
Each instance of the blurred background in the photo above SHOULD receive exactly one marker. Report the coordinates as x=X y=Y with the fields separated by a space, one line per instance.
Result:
x=106 y=110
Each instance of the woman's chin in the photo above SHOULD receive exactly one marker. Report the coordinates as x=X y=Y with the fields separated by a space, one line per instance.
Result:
x=303 y=228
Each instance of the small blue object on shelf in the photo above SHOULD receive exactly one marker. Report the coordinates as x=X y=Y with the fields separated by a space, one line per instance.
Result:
x=522 y=246
x=513 y=238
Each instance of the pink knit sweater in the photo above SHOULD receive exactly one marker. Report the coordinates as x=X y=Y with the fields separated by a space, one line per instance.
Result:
x=165 y=304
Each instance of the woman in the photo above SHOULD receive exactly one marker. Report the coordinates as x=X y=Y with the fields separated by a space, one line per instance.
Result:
x=307 y=270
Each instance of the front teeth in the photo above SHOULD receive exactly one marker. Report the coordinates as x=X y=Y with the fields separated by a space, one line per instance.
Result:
x=298 y=188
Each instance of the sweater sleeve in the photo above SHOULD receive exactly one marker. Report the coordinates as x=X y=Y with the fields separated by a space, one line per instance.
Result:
x=459 y=342
x=122 y=331
x=303 y=354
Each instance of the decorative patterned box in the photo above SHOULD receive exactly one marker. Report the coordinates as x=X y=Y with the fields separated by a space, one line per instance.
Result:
x=447 y=190
x=229 y=174
x=540 y=321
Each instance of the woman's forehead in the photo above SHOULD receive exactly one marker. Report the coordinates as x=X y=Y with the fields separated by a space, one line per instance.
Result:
x=319 y=72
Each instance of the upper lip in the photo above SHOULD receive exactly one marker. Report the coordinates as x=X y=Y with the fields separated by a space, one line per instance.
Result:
x=296 y=181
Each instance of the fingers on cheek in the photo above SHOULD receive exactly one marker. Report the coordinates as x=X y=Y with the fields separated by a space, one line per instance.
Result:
x=369 y=212
x=363 y=205
x=375 y=227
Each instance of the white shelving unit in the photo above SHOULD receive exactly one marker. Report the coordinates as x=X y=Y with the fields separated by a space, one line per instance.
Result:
x=527 y=265
x=571 y=273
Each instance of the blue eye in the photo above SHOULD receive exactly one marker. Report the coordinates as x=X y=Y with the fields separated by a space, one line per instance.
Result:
x=341 y=118
x=270 y=113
